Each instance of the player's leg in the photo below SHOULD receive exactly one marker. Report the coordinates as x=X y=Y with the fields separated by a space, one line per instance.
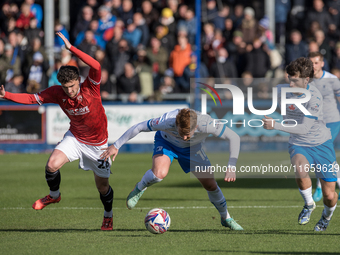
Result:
x=330 y=198
x=217 y=198
x=160 y=168
x=301 y=165
x=317 y=196
x=106 y=196
x=52 y=174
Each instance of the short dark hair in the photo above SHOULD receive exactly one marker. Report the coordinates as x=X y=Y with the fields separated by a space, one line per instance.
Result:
x=315 y=54
x=67 y=74
x=302 y=67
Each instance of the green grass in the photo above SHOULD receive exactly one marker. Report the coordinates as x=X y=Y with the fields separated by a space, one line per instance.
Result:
x=266 y=208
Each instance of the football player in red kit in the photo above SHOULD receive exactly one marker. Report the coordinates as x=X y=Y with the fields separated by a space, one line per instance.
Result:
x=87 y=135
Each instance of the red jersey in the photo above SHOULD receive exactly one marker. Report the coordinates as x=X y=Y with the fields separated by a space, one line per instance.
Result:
x=86 y=112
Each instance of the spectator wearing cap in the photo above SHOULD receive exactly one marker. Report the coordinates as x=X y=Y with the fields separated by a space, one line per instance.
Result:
x=179 y=59
x=140 y=23
x=336 y=57
x=9 y=64
x=167 y=39
x=127 y=14
x=266 y=36
x=223 y=67
x=150 y=14
x=106 y=23
x=296 y=47
x=167 y=19
x=189 y=24
x=128 y=83
x=190 y=70
x=38 y=71
x=249 y=26
x=23 y=22
x=36 y=10
x=158 y=56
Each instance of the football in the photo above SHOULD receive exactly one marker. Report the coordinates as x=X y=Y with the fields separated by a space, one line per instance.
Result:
x=157 y=221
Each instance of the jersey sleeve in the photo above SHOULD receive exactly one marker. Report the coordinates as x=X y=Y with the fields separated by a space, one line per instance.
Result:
x=222 y=131
x=21 y=98
x=336 y=87
x=131 y=133
x=161 y=123
x=95 y=69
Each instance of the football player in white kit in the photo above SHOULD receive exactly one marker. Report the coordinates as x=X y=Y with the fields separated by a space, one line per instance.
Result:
x=310 y=142
x=180 y=134
x=329 y=86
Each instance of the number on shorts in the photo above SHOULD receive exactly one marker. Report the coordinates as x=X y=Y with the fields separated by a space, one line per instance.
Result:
x=103 y=164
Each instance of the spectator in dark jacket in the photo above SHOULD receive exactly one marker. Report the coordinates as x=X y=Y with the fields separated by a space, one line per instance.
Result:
x=258 y=62
x=223 y=67
x=296 y=48
x=143 y=27
x=318 y=13
x=128 y=83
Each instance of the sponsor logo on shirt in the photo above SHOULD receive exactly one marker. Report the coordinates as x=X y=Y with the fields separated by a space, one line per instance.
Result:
x=291 y=107
x=78 y=111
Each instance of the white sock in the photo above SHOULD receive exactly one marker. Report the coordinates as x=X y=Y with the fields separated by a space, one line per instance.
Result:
x=148 y=179
x=54 y=194
x=217 y=198
x=108 y=214
x=307 y=196
x=318 y=183
x=328 y=211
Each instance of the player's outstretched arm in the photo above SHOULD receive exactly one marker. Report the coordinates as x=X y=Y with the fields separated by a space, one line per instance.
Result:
x=128 y=135
x=2 y=91
x=68 y=45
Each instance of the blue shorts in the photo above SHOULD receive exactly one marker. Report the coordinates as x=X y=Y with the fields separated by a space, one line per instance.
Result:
x=335 y=128
x=321 y=157
x=188 y=158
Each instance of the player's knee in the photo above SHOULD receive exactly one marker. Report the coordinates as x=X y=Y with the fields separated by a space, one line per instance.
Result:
x=160 y=173
x=51 y=167
x=329 y=195
x=210 y=186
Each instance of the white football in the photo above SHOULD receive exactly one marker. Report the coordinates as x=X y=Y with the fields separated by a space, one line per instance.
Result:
x=157 y=221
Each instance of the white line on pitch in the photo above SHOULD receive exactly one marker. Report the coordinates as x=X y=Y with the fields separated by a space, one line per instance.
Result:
x=171 y=208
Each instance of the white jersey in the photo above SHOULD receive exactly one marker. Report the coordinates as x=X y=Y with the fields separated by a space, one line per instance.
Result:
x=317 y=133
x=167 y=125
x=329 y=86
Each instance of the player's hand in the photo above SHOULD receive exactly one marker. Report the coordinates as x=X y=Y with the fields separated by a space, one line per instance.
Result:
x=230 y=175
x=110 y=151
x=67 y=43
x=268 y=122
x=2 y=91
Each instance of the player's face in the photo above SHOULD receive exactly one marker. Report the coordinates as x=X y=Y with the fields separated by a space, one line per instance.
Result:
x=317 y=65
x=297 y=82
x=186 y=136
x=71 y=88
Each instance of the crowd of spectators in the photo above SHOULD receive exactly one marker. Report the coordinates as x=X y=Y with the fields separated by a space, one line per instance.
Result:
x=147 y=48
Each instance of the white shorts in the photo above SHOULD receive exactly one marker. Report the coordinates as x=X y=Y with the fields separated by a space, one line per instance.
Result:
x=88 y=155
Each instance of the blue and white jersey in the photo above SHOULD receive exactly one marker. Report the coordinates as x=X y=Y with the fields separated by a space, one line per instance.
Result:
x=167 y=125
x=317 y=133
x=329 y=86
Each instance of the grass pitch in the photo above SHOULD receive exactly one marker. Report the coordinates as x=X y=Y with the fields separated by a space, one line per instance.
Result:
x=266 y=208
